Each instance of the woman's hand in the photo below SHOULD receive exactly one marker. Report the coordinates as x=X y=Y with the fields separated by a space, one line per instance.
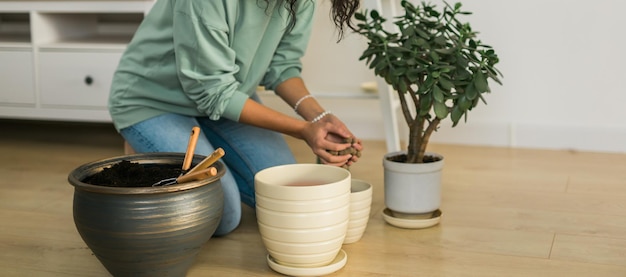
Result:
x=326 y=133
x=330 y=134
x=354 y=149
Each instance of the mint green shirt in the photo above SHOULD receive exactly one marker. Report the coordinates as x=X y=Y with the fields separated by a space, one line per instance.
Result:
x=206 y=57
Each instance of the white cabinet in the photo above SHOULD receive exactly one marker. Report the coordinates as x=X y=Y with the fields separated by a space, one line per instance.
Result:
x=57 y=58
x=16 y=60
x=17 y=82
x=76 y=79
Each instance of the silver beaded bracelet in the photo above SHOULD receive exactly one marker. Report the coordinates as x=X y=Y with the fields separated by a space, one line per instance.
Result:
x=295 y=107
x=320 y=116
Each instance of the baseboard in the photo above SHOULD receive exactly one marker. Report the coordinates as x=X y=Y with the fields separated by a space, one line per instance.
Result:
x=583 y=138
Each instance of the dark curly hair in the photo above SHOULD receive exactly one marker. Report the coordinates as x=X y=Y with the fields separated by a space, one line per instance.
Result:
x=341 y=13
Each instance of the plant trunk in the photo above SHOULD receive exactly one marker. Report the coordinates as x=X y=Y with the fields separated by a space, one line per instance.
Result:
x=419 y=138
x=414 y=154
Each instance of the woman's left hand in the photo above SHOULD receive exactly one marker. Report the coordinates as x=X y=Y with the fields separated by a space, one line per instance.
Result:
x=331 y=135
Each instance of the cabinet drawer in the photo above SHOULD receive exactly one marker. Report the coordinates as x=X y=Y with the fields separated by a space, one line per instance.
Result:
x=17 y=78
x=76 y=79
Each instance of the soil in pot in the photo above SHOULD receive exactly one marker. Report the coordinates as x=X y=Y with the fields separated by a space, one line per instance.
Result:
x=402 y=158
x=130 y=174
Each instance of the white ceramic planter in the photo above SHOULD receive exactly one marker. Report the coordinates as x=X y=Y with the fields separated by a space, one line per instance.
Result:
x=303 y=212
x=412 y=188
x=360 y=207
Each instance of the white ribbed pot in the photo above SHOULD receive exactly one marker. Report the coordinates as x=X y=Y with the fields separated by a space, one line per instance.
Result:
x=302 y=211
x=412 y=188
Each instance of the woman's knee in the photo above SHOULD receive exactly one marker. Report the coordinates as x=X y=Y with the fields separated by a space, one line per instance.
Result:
x=231 y=215
x=229 y=223
x=163 y=133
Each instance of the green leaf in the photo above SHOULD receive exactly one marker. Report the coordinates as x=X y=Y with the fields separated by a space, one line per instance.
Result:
x=446 y=84
x=370 y=51
x=463 y=103
x=393 y=78
x=374 y=14
x=470 y=92
x=413 y=75
x=462 y=62
x=359 y=16
x=422 y=33
x=456 y=115
x=441 y=40
x=402 y=49
x=462 y=74
x=480 y=82
x=427 y=85
x=433 y=13
x=425 y=103
x=399 y=71
x=402 y=87
x=472 y=44
x=407 y=5
x=481 y=99
x=419 y=42
x=434 y=56
x=379 y=67
x=493 y=75
x=438 y=94
x=441 y=110
x=376 y=61
x=445 y=51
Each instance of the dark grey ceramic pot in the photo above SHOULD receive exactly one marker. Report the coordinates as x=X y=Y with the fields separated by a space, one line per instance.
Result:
x=146 y=231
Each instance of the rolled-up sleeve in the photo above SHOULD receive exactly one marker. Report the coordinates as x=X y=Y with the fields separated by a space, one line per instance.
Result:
x=206 y=64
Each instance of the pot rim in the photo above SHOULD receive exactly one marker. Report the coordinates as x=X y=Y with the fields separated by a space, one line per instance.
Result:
x=403 y=152
x=412 y=167
x=78 y=174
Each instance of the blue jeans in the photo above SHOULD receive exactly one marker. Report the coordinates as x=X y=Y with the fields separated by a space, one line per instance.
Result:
x=248 y=150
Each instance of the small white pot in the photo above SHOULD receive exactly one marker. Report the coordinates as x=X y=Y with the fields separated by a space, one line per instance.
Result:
x=412 y=188
x=360 y=207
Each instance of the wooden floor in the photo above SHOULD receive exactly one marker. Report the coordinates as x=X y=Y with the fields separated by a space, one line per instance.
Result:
x=506 y=212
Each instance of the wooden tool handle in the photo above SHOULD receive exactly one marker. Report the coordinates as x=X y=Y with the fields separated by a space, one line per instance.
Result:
x=191 y=146
x=208 y=161
x=199 y=175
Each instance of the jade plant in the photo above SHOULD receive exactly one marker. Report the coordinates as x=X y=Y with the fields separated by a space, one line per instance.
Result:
x=434 y=62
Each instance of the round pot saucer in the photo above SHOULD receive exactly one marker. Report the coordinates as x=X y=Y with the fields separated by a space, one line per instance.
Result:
x=412 y=221
x=338 y=263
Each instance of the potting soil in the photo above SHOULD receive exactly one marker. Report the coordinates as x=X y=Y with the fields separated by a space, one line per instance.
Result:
x=130 y=174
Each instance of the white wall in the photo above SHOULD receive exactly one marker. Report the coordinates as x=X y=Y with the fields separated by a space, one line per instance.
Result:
x=564 y=76
x=564 y=72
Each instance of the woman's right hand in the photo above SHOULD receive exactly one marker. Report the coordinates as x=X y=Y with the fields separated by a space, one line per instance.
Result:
x=330 y=134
